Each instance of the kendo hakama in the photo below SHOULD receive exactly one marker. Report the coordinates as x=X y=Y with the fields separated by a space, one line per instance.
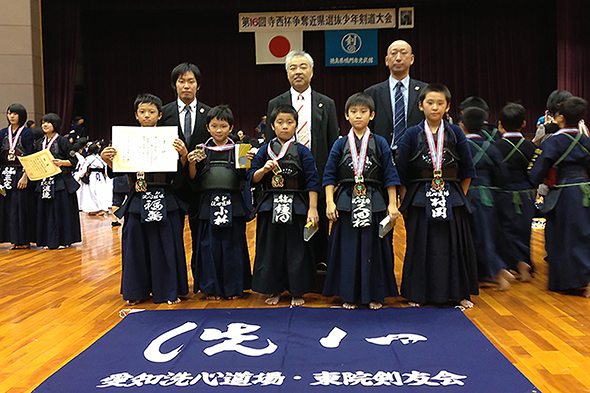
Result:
x=58 y=219
x=19 y=206
x=153 y=257
x=220 y=260
x=283 y=259
x=440 y=263
x=567 y=205
x=360 y=263
x=483 y=220
x=516 y=202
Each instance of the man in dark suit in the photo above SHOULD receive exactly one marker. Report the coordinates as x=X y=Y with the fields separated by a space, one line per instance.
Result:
x=190 y=116
x=396 y=105
x=317 y=129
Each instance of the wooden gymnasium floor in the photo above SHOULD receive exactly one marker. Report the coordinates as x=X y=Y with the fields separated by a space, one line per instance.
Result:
x=54 y=304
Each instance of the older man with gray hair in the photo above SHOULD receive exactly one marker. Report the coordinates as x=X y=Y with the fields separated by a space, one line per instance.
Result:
x=317 y=127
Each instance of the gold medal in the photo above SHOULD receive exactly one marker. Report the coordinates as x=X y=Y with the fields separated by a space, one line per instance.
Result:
x=140 y=184
x=359 y=188
x=277 y=180
x=200 y=151
x=11 y=155
x=437 y=182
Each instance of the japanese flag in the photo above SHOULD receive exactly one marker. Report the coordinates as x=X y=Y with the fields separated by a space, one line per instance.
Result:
x=272 y=46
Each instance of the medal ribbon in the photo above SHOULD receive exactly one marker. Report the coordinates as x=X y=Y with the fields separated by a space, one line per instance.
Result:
x=567 y=130
x=48 y=145
x=13 y=142
x=358 y=159
x=473 y=136
x=229 y=146
x=283 y=150
x=436 y=152
x=512 y=135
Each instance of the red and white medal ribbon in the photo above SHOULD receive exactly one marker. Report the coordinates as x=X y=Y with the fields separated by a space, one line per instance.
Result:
x=12 y=142
x=48 y=145
x=436 y=152
x=228 y=146
x=358 y=158
x=283 y=150
x=568 y=131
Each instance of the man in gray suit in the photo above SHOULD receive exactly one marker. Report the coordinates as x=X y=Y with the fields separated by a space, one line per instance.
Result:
x=396 y=99
x=317 y=129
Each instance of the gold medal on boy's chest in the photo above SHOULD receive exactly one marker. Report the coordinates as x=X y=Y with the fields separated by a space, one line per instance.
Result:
x=140 y=183
x=437 y=182
x=11 y=155
x=277 y=180
x=359 y=188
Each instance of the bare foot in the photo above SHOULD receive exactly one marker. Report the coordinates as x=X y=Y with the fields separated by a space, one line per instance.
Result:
x=273 y=300
x=375 y=305
x=234 y=297
x=133 y=302
x=297 y=301
x=213 y=296
x=349 y=306
x=525 y=271
x=414 y=304
x=466 y=303
x=171 y=302
x=587 y=291
x=504 y=279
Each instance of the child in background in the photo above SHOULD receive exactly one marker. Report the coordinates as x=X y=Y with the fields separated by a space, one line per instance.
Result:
x=152 y=245
x=96 y=193
x=563 y=164
x=18 y=206
x=220 y=261
x=489 y=167
x=516 y=202
x=360 y=263
x=435 y=168
x=290 y=184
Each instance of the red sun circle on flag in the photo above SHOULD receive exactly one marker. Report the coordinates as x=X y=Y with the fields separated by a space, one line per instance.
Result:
x=279 y=46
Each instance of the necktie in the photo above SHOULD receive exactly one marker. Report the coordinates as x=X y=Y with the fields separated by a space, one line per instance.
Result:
x=188 y=123
x=400 y=115
x=303 y=130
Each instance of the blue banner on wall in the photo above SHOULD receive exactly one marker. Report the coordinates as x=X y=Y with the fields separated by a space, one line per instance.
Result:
x=351 y=48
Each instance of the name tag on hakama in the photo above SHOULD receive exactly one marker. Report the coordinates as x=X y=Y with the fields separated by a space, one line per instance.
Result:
x=153 y=206
x=282 y=208
x=361 y=214
x=221 y=210
x=438 y=203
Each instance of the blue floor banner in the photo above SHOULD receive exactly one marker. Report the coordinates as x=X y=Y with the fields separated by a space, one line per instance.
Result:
x=291 y=350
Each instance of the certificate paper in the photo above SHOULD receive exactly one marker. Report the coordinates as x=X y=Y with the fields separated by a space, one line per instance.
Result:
x=39 y=165
x=145 y=149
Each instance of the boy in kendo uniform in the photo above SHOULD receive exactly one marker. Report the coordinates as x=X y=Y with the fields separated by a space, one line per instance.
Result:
x=287 y=174
x=220 y=261
x=152 y=243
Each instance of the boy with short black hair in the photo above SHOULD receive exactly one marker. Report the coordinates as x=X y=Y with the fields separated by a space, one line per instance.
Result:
x=436 y=168
x=516 y=201
x=152 y=245
x=360 y=263
x=287 y=174
x=220 y=261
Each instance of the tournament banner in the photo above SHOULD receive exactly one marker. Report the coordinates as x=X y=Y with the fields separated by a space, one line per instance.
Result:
x=291 y=350
x=317 y=20
x=351 y=48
